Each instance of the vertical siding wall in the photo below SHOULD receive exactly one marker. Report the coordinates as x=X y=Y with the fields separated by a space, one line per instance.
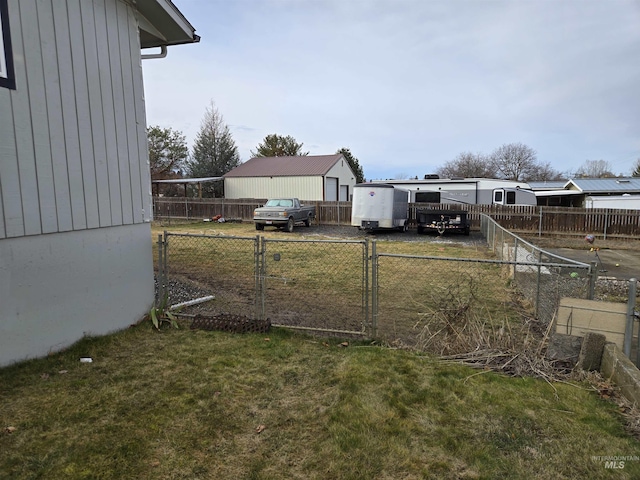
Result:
x=75 y=193
x=309 y=188
x=72 y=134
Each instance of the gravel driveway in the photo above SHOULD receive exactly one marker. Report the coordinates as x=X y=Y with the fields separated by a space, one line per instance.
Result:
x=342 y=232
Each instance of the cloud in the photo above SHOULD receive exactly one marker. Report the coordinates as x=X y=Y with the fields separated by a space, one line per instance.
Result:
x=407 y=85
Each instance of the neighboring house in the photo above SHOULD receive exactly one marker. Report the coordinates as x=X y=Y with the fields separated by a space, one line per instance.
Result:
x=75 y=192
x=620 y=192
x=313 y=177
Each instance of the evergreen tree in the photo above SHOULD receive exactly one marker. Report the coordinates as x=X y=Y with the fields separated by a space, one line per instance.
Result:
x=279 y=146
x=214 y=152
x=167 y=151
x=353 y=163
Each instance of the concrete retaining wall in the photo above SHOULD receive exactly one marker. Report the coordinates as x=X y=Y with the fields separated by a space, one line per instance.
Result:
x=620 y=370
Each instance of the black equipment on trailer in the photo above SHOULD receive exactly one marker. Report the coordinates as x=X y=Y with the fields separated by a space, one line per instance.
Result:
x=443 y=221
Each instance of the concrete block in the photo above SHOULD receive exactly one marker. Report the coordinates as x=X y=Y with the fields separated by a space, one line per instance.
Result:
x=591 y=351
x=564 y=349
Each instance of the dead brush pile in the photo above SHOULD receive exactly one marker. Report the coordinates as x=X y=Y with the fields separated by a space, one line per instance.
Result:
x=454 y=326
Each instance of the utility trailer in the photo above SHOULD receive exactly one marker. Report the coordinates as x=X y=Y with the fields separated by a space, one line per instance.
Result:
x=443 y=221
x=378 y=206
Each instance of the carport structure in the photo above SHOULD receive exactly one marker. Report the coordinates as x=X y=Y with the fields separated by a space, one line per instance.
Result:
x=185 y=182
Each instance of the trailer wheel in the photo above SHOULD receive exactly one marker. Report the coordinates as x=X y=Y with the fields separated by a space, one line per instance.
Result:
x=259 y=226
x=290 y=225
x=440 y=227
x=420 y=229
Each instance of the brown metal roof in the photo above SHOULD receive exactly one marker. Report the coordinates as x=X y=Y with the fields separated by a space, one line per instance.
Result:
x=304 y=166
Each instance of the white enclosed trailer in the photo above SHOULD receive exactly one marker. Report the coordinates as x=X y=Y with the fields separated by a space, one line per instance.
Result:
x=377 y=206
x=468 y=191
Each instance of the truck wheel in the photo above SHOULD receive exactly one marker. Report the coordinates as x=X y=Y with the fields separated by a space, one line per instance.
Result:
x=259 y=226
x=307 y=221
x=290 y=225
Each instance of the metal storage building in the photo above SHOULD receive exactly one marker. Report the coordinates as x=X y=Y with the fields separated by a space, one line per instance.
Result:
x=313 y=177
x=75 y=191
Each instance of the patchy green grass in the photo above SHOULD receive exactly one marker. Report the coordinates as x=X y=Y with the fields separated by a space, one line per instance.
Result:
x=190 y=404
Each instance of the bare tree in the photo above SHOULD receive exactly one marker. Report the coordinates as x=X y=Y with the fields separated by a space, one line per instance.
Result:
x=636 y=169
x=544 y=172
x=595 y=169
x=468 y=165
x=514 y=161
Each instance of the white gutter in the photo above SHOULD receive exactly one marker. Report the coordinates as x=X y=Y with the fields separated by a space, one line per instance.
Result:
x=150 y=56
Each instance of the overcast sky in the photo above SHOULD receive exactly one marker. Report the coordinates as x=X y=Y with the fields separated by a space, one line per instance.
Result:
x=407 y=85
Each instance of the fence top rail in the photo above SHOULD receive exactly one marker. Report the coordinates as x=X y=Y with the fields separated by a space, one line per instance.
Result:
x=202 y=235
x=533 y=247
x=585 y=266
x=304 y=240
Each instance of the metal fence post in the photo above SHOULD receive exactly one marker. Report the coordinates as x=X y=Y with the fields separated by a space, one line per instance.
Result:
x=160 y=282
x=593 y=276
x=365 y=280
x=515 y=256
x=538 y=283
x=262 y=274
x=259 y=313
x=165 y=247
x=493 y=238
x=631 y=308
x=374 y=289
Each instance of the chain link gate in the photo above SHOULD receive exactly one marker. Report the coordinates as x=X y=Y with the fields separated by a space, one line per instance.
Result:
x=319 y=285
x=198 y=267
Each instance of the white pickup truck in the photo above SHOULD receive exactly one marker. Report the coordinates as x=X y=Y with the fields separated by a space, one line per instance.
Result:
x=283 y=213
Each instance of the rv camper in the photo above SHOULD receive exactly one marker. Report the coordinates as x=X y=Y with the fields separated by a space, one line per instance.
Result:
x=468 y=191
x=377 y=206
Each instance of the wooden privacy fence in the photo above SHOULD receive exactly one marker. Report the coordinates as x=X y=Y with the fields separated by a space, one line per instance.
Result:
x=609 y=223
x=327 y=213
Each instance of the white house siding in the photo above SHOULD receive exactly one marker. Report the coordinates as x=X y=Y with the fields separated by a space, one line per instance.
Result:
x=75 y=192
x=304 y=188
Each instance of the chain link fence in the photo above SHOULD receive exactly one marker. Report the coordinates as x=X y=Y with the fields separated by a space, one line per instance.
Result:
x=345 y=286
x=542 y=277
